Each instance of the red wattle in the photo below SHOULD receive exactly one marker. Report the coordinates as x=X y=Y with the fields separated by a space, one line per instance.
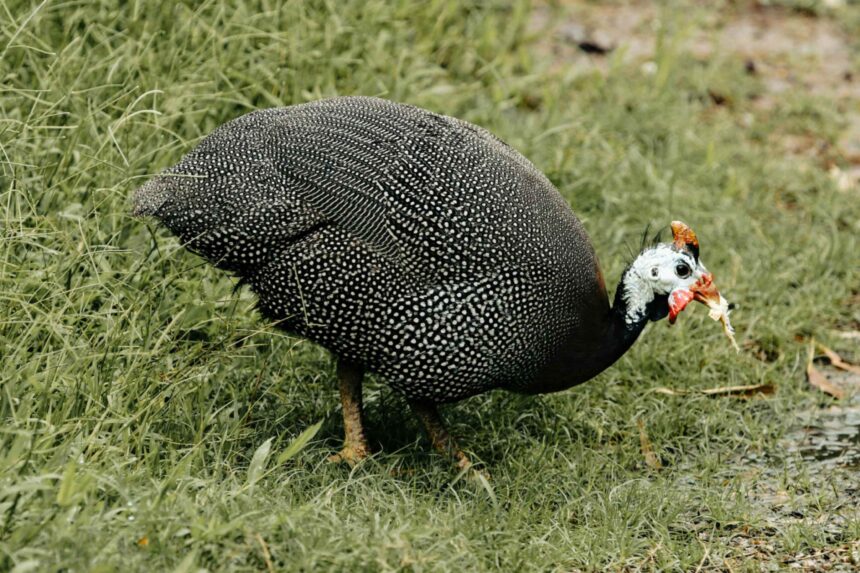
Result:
x=678 y=300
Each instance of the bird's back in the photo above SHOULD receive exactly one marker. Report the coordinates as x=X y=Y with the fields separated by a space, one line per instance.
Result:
x=416 y=244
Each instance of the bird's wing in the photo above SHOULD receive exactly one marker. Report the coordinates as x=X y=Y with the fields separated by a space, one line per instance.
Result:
x=426 y=191
x=416 y=186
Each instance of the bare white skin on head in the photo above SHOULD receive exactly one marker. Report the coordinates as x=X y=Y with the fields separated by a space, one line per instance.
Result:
x=659 y=270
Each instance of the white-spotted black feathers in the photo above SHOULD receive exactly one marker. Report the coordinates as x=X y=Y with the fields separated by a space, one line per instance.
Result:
x=415 y=244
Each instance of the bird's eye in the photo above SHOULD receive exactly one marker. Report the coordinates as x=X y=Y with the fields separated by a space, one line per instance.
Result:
x=682 y=270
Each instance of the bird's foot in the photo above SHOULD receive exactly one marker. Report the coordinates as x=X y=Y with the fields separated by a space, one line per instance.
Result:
x=351 y=454
x=462 y=461
x=473 y=473
x=479 y=477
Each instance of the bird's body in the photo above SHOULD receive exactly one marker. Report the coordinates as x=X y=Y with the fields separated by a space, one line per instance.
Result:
x=416 y=245
x=410 y=244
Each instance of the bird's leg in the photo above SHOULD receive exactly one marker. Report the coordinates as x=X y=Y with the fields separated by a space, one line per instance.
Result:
x=355 y=446
x=439 y=436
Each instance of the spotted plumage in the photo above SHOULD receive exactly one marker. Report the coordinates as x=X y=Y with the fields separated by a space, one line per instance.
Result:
x=417 y=245
x=410 y=244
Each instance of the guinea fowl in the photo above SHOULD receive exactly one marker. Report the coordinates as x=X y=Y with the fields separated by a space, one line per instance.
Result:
x=415 y=246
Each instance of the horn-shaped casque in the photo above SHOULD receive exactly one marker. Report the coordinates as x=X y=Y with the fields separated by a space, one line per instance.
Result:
x=684 y=237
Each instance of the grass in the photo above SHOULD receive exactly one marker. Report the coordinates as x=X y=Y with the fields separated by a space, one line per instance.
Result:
x=138 y=393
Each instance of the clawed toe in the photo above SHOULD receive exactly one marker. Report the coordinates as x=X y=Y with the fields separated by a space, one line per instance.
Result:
x=350 y=454
x=478 y=476
x=472 y=472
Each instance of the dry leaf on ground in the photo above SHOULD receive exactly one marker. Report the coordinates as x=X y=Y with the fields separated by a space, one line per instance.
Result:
x=670 y=391
x=821 y=382
x=748 y=391
x=837 y=361
x=848 y=334
x=651 y=459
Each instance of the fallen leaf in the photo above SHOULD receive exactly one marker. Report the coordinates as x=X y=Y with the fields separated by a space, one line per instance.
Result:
x=849 y=334
x=766 y=389
x=821 y=382
x=749 y=391
x=837 y=361
x=267 y=556
x=670 y=392
x=651 y=459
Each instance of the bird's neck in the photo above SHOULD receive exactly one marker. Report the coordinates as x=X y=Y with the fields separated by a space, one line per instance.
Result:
x=585 y=356
x=633 y=307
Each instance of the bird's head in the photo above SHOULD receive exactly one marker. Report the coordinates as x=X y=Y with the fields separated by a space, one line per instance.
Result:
x=665 y=278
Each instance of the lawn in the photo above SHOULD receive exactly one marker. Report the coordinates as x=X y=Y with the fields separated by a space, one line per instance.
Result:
x=151 y=421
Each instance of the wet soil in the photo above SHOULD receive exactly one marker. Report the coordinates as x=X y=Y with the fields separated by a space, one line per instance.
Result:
x=830 y=438
x=804 y=496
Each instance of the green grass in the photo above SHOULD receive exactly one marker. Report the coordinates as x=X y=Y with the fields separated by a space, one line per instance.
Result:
x=136 y=387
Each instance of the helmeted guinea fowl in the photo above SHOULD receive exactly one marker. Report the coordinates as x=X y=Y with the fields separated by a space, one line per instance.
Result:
x=415 y=246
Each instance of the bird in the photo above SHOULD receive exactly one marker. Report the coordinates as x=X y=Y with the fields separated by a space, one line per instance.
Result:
x=416 y=247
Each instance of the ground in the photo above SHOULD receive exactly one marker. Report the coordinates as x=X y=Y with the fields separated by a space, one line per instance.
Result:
x=152 y=421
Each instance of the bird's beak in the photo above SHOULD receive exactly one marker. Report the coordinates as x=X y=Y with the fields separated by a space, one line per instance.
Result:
x=703 y=291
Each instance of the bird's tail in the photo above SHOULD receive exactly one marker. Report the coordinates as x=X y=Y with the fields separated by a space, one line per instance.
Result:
x=149 y=198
